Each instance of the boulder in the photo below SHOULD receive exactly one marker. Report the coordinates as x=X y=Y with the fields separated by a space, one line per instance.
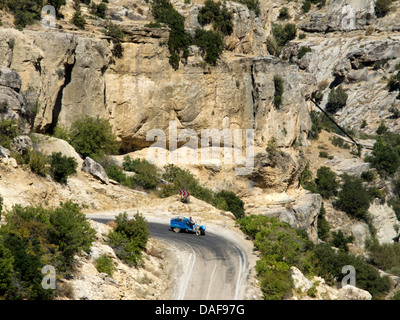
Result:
x=4 y=153
x=95 y=169
x=47 y=145
x=349 y=292
x=22 y=144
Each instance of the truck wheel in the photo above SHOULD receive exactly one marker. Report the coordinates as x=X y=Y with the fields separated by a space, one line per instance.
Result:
x=176 y=229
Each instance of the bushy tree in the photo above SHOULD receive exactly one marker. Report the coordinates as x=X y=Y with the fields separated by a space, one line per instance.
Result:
x=70 y=231
x=229 y=201
x=146 y=173
x=93 y=137
x=211 y=43
x=34 y=237
x=25 y=11
x=337 y=99
x=280 y=247
x=117 y=35
x=129 y=238
x=179 y=40
x=329 y=265
x=217 y=14
x=382 y=7
x=57 y=4
x=283 y=34
x=78 y=19
x=61 y=167
x=353 y=198
x=384 y=157
x=6 y=272
x=9 y=129
x=278 y=86
x=326 y=182
x=323 y=226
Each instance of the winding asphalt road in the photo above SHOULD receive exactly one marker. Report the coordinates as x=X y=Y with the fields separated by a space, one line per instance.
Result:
x=211 y=266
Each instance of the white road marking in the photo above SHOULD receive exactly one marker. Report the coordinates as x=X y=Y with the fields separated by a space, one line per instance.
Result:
x=240 y=273
x=212 y=279
x=188 y=275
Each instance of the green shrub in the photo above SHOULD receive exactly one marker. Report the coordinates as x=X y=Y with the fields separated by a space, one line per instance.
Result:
x=38 y=163
x=306 y=6
x=93 y=137
x=25 y=11
x=323 y=226
x=283 y=14
x=324 y=154
x=70 y=231
x=78 y=19
x=329 y=265
x=382 y=128
x=396 y=295
x=129 y=238
x=326 y=182
x=153 y=25
x=182 y=179
x=278 y=85
x=178 y=178
x=353 y=198
x=384 y=256
x=9 y=129
x=382 y=7
x=99 y=10
x=217 y=14
x=336 y=100
x=211 y=43
x=229 y=201
x=302 y=52
x=61 y=132
x=284 y=34
x=34 y=237
x=393 y=83
x=115 y=172
x=253 y=5
x=104 y=264
x=179 y=40
x=61 y=167
x=368 y=176
x=275 y=285
x=7 y=274
x=280 y=247
x=384 y=157
x=339 y=142
x=146 y=173
x=116 y=34
x=340 y=241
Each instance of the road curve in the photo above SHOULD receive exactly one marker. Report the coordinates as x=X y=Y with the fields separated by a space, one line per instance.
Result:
x=212 y=267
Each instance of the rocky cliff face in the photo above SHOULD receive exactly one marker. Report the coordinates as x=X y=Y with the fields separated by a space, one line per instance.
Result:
x=65 y=74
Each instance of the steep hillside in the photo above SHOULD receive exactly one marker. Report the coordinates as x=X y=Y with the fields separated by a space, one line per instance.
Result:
x=162 y=73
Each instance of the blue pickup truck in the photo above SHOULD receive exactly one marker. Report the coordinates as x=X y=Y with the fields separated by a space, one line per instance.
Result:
x=179 y=224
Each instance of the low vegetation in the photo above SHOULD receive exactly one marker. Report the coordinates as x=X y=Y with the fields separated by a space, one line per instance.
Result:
x=382 y=7
x=336 y=100
x=129 y=238
x=34 y=237
x=278 y=86
x=281 y=246
x=92 y=137
x=179 y=39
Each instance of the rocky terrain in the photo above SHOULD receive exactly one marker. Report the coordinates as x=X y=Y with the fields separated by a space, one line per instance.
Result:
x=51 y=77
